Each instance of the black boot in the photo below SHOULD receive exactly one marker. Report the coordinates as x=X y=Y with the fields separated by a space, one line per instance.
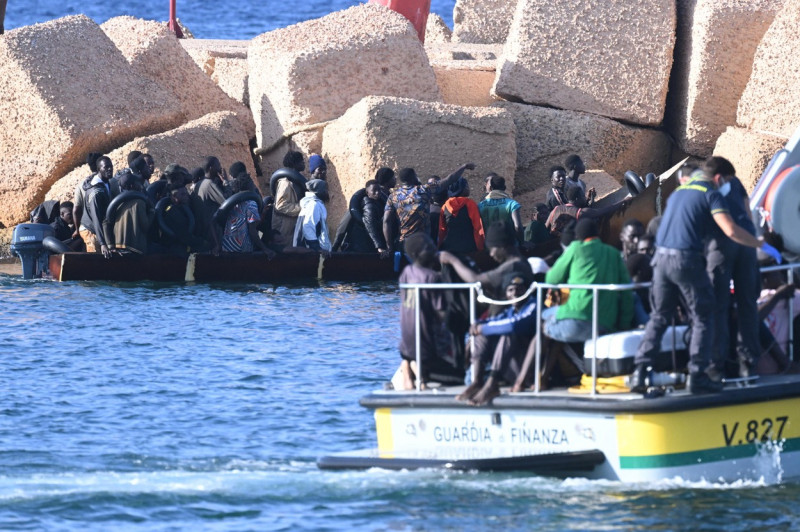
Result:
x=639 y=378
x=702 y=383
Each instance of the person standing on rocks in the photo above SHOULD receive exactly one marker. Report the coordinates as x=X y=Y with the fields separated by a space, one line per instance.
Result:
x=288 y=186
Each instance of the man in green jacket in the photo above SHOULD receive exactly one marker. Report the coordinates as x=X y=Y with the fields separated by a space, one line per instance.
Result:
x=587 y=260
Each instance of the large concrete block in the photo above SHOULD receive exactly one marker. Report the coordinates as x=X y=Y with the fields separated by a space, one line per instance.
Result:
x=608 y=58
x=225 y=62
x=220 y=134
x=314 y=71
x=546 y=137
x=482 y=21
x=465 y=72
x=749 y=152
x=158 y=56
x=433 y=138
x=66 y=90
x=436 y=30
x=771 y=100
x=714 y=56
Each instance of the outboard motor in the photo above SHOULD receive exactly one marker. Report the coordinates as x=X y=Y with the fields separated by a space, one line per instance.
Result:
x=27 y=244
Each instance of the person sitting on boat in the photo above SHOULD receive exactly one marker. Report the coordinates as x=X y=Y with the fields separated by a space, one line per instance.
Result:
x=361 y=230
x=97 y=196
x=240 y=234
x=210 y=191
x=501 y=242
x=498 y=206
x=575 y=168
x=773 y=311
x=436 y=351
x=407 y=210
x=557 y=195
x=64 y=227
x=177 y=237
x=679 y=270
x=460 y=225
x=630 y=233
x=127 y=233
x=311 y=230
x=576 y=207
x=288 y=187
x=511 y=331
x=536 y=232
x=587 y=260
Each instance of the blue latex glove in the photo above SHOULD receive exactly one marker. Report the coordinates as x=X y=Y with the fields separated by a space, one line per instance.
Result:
x=772 y=252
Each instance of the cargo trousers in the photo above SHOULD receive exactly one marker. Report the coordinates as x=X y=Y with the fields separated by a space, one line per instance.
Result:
x=680 y=274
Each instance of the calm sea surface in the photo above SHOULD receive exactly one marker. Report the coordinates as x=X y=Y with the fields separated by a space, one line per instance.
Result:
x=208 y=19
x=204 y=407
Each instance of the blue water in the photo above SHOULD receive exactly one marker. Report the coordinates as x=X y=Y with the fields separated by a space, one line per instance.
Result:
x=179 y=407
x=223 y=19
x=203 y=407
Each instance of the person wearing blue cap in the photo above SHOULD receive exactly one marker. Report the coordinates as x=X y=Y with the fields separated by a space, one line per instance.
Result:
x=679 y=269
x=318 y=167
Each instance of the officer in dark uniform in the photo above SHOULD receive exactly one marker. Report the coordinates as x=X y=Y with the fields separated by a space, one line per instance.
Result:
x=728 y=260
x=680 y=270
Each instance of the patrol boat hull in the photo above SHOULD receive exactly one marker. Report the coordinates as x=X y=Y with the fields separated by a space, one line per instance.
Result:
x=741 y=433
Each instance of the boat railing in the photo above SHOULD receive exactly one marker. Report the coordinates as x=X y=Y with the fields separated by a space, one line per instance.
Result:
x=476 y=293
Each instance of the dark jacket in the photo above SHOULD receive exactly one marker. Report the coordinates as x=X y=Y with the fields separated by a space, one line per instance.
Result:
x=95 y=207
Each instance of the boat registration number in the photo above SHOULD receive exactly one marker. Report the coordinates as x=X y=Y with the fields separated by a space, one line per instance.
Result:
x=752 y=430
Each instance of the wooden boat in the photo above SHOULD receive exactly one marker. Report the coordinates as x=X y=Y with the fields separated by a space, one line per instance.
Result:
x=239 y=267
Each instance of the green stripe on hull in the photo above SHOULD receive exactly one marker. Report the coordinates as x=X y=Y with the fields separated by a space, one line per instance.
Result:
x=699 y=457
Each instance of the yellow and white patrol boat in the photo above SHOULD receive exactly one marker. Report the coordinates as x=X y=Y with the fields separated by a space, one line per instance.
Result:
x=728 y=436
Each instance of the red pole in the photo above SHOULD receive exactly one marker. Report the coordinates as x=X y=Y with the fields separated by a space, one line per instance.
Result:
x=173 y=20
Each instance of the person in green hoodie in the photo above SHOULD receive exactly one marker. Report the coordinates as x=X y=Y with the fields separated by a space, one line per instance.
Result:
x=498 y=206
x=587 y=260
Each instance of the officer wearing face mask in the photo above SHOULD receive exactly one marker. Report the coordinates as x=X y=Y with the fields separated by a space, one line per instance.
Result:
x=726 y=261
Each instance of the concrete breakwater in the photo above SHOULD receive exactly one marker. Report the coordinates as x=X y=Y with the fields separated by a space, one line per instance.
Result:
x=627 y=86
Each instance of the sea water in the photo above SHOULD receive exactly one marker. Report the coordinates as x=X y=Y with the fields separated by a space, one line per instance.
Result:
x=207 y=19
x=146 y=406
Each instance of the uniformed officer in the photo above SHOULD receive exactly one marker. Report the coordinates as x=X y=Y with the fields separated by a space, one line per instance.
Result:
x=679 y=270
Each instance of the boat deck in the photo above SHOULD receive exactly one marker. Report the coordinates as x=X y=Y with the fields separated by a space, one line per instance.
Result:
x=765 y=388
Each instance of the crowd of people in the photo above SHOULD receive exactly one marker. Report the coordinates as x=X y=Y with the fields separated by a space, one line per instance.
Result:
x=704 y=240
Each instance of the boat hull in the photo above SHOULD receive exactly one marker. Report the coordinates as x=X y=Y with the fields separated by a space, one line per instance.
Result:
x=740 y=434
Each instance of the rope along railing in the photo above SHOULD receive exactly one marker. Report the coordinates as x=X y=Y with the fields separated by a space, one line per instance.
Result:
x=476 y=294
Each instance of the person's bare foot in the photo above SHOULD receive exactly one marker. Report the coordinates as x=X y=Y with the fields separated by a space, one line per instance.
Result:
x=467 y=394
x=487 y=393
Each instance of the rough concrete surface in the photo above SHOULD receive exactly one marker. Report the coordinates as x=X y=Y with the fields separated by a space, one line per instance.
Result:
x=433 y=138
x=66 y=90
x=771 y=100
x=546 y=137
x=608 y=58
x=436 y=30
x=230 y=73
x=220 y=134
x=314 y=71
x=5 y=242
x=714 y=53
x=482 y=21
x=465 y=72
x=749 y=152
x=157 y=54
